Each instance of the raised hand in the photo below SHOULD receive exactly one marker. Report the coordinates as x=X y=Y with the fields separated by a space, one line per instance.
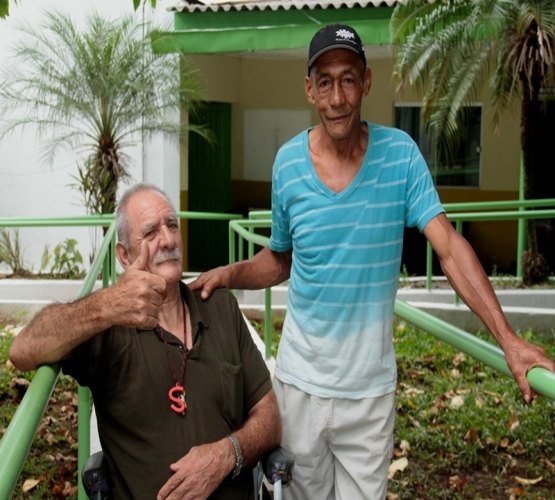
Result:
x=138 y=295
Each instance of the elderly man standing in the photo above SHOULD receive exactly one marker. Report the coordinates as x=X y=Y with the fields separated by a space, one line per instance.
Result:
x=342 y=194
x=184 y=400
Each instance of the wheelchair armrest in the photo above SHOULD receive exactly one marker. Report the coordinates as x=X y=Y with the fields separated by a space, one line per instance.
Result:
x=278 y=465
x=95 y=477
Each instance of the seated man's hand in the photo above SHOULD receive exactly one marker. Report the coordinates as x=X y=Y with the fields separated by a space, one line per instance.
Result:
x=138 y=295
x=200 y=472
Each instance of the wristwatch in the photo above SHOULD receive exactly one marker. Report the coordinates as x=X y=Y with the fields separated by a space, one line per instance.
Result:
x=238 y=456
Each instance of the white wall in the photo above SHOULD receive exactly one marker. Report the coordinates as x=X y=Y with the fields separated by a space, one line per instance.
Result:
x=30 y=187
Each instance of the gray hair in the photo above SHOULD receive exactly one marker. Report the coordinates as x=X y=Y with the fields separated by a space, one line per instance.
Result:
x=122 y=220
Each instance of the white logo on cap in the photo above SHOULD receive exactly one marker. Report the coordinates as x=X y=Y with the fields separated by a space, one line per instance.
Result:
x=346 y=34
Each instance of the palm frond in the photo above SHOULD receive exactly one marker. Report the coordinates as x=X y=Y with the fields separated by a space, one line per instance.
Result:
x=95 y=91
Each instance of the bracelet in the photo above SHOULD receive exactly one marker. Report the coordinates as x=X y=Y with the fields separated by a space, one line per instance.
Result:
x=238 y=456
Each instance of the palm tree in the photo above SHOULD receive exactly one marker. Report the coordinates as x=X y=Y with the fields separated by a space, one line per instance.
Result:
x=96 y=92
x=451 y=49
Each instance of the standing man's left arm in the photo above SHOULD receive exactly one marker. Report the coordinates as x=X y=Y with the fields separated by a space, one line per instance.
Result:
x=465 y=273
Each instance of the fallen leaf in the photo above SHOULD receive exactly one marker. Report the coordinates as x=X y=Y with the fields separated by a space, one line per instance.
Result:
x=513 y=422
x=411 y=391
x=472 y=436
x=516 y=448
x=401 y=326
x=457 y=483
x=414 y=422
x=404 y=446
x=550 y=465
x=458 y=359
x=398 y=465
x=69 y=489
x=456 y=403
x=496 y=397
x=29 y=484
x=515 y=493
x=528 y=482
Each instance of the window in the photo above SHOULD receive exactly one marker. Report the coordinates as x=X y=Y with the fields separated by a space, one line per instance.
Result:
x=462 y=168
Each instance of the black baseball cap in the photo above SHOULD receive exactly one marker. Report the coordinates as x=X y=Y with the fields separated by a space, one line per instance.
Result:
x=334 y=36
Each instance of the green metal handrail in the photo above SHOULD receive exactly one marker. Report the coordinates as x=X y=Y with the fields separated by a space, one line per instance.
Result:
x=521 y=204
x=453 y=210
x=540 y=379
x=19 y=436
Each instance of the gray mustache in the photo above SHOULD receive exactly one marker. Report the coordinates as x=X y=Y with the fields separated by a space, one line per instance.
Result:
x=165 y=255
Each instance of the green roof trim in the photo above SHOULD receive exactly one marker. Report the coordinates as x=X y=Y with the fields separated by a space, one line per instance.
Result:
x=253 y=31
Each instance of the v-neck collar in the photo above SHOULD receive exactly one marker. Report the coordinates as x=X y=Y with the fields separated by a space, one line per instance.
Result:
x=330 y=193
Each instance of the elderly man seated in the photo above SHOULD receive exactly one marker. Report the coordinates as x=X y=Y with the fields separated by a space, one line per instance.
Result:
x=184 y=400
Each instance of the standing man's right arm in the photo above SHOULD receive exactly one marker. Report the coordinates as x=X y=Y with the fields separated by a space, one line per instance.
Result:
x=267 y=268
x=56 y=330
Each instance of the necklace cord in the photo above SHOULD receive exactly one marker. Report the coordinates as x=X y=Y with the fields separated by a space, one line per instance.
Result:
x=184 y=351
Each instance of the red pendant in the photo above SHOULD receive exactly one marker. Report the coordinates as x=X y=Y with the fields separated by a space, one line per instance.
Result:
x=177 y=397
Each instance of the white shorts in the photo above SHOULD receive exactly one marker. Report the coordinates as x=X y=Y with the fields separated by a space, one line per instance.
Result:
x=342 y=447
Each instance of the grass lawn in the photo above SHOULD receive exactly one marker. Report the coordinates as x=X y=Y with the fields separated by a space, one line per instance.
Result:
x=462 y=430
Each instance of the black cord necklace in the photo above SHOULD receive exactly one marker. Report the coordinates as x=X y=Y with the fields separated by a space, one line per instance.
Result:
x=177 y=393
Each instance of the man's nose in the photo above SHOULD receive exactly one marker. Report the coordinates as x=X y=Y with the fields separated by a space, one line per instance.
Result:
x=337 y=94
x=166 y=239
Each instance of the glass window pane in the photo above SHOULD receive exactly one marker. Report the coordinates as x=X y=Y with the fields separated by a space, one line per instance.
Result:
x=462 y=168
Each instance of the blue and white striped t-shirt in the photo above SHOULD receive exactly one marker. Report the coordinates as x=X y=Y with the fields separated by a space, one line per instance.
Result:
x=347 y=246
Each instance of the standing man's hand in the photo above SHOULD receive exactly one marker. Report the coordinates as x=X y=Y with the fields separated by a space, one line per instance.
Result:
x=137 y=297
x=521 y=357
x=219 y=277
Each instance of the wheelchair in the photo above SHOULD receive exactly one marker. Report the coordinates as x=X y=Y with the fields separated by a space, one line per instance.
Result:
x=276 y=467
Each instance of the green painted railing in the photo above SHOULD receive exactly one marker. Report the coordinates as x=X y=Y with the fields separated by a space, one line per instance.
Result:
x=518 y=210
x=495 y=211
x=541 y=380
x=19 y=436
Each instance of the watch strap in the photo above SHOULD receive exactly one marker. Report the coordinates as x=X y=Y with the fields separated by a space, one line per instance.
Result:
x=238 y=456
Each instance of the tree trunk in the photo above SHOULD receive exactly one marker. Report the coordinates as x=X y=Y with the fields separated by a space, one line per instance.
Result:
x=534 y=266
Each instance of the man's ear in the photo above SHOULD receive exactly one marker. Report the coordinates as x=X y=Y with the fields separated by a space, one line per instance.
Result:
x=308 y=89
x=367 y=85
x=123 y=255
